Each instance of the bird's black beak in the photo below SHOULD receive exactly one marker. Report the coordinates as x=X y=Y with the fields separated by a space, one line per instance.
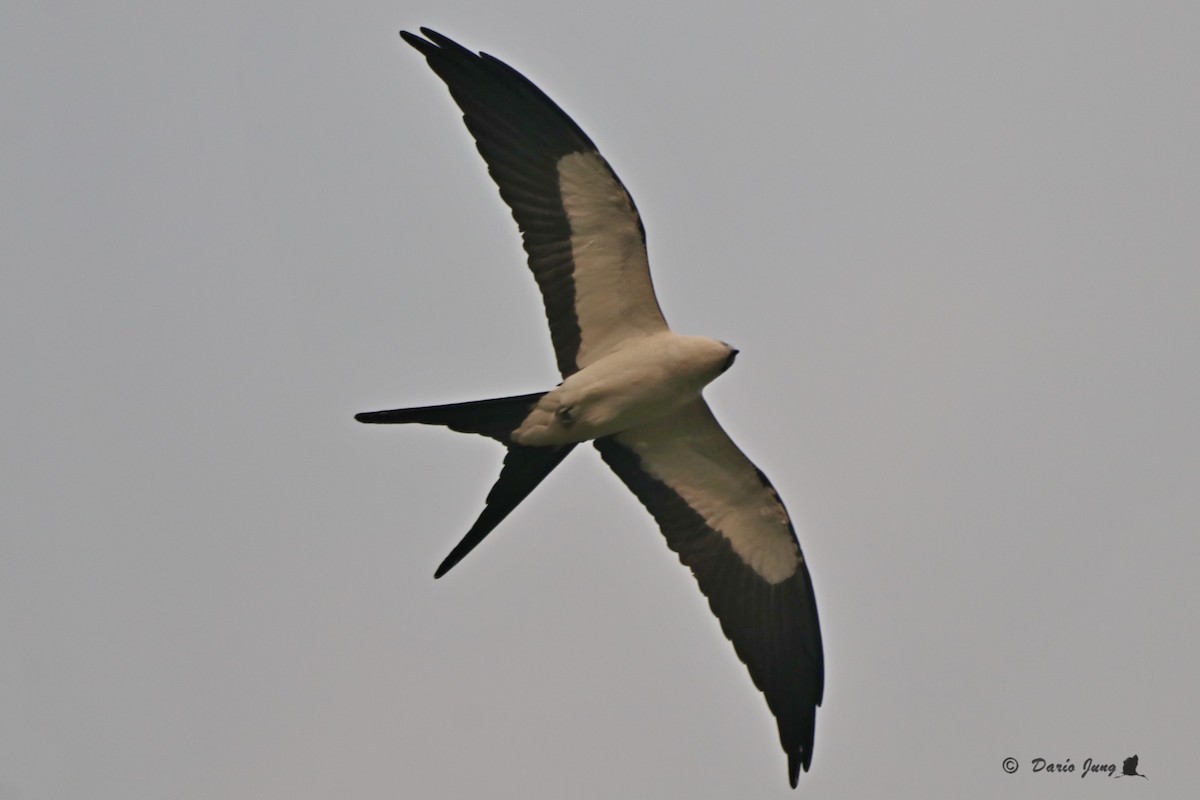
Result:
x=730 y=359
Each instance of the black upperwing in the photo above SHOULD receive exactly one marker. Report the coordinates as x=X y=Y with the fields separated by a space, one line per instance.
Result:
x=581 y=231
x=722 y=517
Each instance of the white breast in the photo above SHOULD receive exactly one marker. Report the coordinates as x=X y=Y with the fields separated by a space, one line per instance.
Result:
x=639 y=382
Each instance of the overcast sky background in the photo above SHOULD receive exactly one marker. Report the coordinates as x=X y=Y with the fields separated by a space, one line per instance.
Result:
x=958 y=245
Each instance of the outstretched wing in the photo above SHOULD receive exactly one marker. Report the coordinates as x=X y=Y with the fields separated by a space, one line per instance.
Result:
x=726 y=522
x=581 y=230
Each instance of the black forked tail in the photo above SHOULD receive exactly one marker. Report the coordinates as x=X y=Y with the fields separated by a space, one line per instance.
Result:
x=524 y=467
x=496 y=418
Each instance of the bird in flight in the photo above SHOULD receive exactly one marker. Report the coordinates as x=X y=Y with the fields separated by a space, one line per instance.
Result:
x=631 y=386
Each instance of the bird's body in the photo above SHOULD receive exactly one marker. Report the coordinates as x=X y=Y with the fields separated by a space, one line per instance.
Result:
x=637 y=383
x=631 y=386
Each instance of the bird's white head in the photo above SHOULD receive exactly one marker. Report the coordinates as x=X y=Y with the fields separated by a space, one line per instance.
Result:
x=731 y=355
x=708 y=357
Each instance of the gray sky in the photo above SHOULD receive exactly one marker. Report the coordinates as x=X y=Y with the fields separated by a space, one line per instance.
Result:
x=957 y=245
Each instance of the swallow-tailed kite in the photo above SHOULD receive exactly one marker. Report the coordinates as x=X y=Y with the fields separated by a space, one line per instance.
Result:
x=631 y=386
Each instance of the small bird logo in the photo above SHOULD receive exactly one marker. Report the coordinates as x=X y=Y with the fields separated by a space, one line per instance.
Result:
x=1129 y=768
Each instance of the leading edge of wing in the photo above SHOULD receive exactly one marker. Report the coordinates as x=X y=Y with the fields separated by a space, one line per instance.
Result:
x=580 y=228
x=688 y=473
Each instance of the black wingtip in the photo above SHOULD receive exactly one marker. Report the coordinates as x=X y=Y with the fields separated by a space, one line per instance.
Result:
x=459 y=553
x=398 y=415
x=432 y=42
x=799 y=760
x=426 y=48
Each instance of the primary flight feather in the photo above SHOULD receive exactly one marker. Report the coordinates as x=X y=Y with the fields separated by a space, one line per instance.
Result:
x=631 y=386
